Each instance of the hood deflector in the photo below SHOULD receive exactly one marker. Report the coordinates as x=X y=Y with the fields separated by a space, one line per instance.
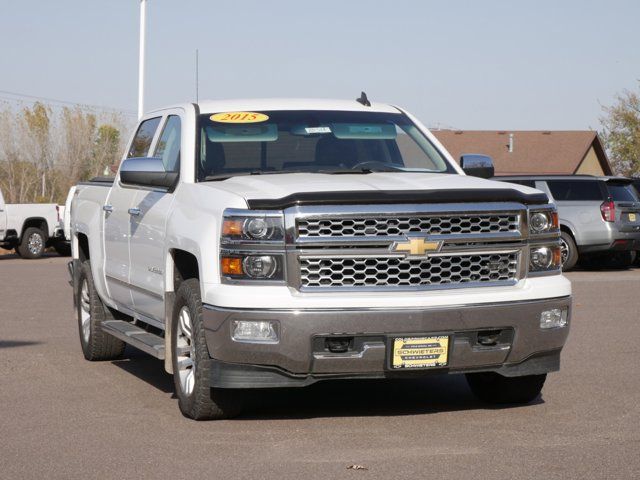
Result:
x=399 y=197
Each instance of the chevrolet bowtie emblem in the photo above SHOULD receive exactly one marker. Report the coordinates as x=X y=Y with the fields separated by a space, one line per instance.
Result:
x=416 y=246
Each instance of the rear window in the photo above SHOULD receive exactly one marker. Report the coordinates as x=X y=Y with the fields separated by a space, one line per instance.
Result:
x=622 y=192
x=575 y=190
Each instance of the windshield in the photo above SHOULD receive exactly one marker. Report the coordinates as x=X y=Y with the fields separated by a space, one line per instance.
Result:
x=244 y=143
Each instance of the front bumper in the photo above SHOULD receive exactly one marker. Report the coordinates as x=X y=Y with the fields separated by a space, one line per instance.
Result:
x=300 y=359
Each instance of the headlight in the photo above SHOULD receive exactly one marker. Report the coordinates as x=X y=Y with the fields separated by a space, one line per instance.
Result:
x=252 y=227
x=545 y=221
x=545 y=258
x=252 y=267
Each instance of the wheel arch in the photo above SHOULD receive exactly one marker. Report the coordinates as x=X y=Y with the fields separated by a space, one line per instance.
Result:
x=36 y=222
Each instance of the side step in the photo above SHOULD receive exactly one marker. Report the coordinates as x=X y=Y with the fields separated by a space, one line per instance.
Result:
x=136 y=337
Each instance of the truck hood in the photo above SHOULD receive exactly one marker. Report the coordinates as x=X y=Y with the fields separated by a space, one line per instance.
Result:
x=282 y=185
x=279 y=186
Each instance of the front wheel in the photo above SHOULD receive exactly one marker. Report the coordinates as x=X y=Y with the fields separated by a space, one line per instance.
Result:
x=191 y=361
x=32 y=244
x=492 y=387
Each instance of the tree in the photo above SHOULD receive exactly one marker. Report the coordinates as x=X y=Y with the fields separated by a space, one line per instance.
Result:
x=621 y=133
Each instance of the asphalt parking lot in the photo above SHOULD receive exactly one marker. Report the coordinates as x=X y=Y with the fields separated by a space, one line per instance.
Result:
x=64 y=417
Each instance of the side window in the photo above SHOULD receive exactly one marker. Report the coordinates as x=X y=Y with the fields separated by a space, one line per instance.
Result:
x=168 y=148
x=575 y=190
x=144 y=136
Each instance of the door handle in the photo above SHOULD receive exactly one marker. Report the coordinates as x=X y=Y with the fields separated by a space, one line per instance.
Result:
x=107 y=208
x=134 y=211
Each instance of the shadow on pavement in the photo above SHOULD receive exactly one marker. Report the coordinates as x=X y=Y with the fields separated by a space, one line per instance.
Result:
x=433 y=394
x=335 y=398
x=15 y=256
x=17 y=343
x=146 y=368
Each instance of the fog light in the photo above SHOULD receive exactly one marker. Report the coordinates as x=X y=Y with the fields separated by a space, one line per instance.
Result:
x=254 y=332
x=554 y=318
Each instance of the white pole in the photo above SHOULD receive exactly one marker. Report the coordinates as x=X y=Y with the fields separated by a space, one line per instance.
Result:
x=143 y=26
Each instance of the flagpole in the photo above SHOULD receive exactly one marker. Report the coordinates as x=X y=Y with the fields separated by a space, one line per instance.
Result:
x=143 y=26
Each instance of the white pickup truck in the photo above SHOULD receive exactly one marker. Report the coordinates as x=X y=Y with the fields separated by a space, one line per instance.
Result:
x=276 y=243
x=29 y=228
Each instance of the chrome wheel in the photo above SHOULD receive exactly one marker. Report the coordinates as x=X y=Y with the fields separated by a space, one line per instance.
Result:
x=564 y=251
x=35 y=243
x=85 y=311
x=185 y=352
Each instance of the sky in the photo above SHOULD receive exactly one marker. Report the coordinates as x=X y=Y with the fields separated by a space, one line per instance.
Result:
x=507 y=65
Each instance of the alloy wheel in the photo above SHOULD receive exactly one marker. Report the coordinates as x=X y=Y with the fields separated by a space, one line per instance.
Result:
x=185 y=351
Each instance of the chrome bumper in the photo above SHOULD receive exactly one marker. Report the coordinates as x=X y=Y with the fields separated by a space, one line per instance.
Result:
x=300 y=357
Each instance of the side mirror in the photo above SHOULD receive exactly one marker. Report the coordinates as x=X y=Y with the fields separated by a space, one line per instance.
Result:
x=477 y=165
x=146 y=172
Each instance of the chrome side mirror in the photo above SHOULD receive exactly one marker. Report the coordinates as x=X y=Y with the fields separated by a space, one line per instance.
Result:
x=477 y=165
x=146 y=172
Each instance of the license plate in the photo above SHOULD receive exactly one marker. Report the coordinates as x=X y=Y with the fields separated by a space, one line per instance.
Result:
x=632 y=217
x=420 y=352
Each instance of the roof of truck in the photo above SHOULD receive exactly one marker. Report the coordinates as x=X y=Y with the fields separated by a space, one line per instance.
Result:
x=271 y=104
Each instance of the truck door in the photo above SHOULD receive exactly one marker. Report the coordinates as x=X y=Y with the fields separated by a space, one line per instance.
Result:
x=3 y=218
x=118 y=221
x=148 y=242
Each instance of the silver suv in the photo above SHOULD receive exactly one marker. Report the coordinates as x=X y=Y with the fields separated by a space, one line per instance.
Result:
x=599 y=217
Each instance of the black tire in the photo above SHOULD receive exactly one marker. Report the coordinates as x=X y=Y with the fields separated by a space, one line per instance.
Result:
x=570 y=251
x=17 y=251
x=32 y=244
x=96 y=344
x=620 y=260
x=492 y=387
x=201 y=402
x=612 y=260
x=63 y=248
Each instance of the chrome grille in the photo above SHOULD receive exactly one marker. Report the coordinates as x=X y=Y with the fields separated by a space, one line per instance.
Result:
x=404 y=225
x=363 y=271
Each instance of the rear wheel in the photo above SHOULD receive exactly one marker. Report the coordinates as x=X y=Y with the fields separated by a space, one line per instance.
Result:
x=32 y=244
x=191 y=361
x=63 y=248
x=620 y=259
x=492 y=387
x=569 y=251
x=96 y=344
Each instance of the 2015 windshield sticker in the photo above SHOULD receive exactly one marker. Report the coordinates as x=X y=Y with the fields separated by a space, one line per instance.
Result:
x=239 y=117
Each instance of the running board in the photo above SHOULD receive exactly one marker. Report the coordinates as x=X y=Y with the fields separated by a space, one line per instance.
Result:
x=136 y=337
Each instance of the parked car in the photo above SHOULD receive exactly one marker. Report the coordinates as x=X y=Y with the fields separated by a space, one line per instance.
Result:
x=599 y=217
x=29 y=228
x=63 y=241
x=278 y=243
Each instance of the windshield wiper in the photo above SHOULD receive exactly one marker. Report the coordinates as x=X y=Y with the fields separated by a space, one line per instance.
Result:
x=340 y=171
